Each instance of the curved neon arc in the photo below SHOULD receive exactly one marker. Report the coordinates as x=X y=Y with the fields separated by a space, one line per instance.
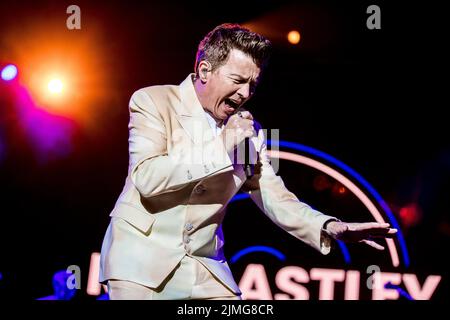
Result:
x=342 y=246
x=344 y=251
x=347 y=183
x=363 y=182
x=280 y=256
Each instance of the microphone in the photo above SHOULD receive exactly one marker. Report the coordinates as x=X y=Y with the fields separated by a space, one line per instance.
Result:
x=248 y=168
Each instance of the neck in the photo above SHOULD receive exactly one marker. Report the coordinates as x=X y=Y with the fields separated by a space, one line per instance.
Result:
x=202 y=96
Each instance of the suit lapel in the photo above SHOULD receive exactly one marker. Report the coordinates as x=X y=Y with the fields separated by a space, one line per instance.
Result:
x=196 y=127
x=190 y=113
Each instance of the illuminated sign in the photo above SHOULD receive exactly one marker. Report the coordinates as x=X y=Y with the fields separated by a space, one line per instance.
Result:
x=295 y=282
x=292 y=279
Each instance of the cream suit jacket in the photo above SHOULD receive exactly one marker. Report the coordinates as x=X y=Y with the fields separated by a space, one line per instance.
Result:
x=179 y=181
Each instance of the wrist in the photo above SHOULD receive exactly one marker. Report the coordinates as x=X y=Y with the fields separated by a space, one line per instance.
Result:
x=330 y=223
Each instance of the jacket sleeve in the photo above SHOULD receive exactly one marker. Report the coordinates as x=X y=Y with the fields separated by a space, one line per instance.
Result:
x=153 y=169
x=284 y=208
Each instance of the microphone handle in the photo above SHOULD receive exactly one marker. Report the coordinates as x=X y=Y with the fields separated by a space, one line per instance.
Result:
x=247 y=166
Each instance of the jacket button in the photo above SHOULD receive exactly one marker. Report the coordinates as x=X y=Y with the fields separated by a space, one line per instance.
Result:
x=189 y=226
x=206 y=169
x=189 y=175
x=199 y=189
x=186 y=239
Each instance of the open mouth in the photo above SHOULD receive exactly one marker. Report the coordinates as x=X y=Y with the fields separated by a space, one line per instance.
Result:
x=232 y=104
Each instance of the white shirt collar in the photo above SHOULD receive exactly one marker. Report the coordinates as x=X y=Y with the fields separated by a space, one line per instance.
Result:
x=213 y=124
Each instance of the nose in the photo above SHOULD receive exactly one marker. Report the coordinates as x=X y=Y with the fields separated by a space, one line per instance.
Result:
x=244 y=91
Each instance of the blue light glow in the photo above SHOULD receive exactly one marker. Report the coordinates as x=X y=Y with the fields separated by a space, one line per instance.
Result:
x=272 y=251
x=361 y=180
x=9 y=72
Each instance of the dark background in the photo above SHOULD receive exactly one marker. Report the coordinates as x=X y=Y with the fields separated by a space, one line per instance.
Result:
x=371 y=98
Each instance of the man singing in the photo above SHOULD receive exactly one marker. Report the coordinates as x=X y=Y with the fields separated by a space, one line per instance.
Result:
x=165 y=240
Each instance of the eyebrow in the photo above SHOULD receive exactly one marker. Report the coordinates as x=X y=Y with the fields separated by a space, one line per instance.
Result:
x=254 y=82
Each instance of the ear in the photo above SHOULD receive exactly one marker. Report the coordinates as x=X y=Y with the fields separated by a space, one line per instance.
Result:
x=204 y=71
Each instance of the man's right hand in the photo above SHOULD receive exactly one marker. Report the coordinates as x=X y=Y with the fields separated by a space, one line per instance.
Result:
x=238 y=127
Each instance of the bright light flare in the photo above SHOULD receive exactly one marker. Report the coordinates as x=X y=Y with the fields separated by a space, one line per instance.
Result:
x=293 y=37
x=44 y=52
x=55 y=86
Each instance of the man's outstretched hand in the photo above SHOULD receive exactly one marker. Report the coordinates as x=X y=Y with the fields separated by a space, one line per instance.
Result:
x=360 y=232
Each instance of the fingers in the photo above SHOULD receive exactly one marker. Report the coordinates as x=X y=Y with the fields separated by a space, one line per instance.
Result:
x=373 y=244
x=392 y=231
x=245 y=125
x=245 y=115
x=239 y=127
x=242 y=119
x=370 y=226
x=338 y=231
x=383 y=233
x=338 y=227
x=246 y=131
x=249 y=133
x=377 y=225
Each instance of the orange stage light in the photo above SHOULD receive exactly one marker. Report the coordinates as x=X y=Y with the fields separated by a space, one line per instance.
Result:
x=65 y=72
x=294 y=37
x=55 y=86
